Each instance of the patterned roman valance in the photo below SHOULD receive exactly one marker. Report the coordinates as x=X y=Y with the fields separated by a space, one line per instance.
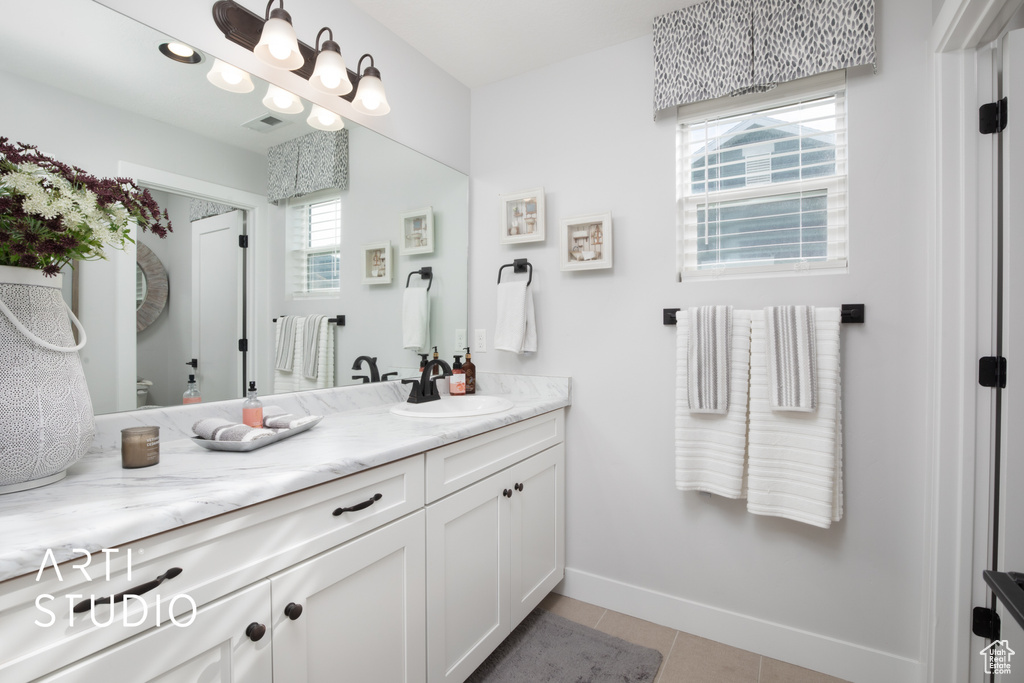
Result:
x=722 y=47
x=200 y=209
x=313 y=162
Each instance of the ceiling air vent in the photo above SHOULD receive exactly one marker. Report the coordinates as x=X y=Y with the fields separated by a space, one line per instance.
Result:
x=265 y=123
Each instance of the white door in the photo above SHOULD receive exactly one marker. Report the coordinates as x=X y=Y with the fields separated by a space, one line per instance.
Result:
x=355 y=613
x=1011 y=480
x=217 y=264
x=538 y=513
x=467 y=578
x=217 y=647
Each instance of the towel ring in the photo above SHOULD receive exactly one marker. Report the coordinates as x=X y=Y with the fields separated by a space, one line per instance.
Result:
x=518 y=266
x=424 y=272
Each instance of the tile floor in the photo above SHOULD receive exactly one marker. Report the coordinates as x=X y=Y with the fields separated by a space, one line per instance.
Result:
x=686 y=658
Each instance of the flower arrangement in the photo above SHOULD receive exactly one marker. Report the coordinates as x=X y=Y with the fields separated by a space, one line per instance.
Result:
x=52 y=213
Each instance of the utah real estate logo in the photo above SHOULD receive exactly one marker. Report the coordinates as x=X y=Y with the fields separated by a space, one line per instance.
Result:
x=997 y=657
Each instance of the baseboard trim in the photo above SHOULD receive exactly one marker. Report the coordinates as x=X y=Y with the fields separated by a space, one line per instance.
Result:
x=845 y=660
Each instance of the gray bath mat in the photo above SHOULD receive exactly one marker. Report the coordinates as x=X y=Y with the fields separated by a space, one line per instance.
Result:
x=546 y=648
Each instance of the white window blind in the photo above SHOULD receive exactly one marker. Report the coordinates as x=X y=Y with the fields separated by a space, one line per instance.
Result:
x=763 y=189
x=315 y=245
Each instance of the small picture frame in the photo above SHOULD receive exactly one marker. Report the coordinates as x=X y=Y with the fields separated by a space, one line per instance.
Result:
x=377 y=263
x=417 y=232
x=586 y=242
x=521 y=216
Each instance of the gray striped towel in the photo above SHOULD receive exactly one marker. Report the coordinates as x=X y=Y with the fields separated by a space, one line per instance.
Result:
x=219 y=429
x=708 y=359
x=791 y=357
x=285 y=343
x=311 y=346
x=276 y=418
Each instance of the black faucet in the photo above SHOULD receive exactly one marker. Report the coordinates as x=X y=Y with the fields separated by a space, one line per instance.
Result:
x=423 y=389
x=374 y=372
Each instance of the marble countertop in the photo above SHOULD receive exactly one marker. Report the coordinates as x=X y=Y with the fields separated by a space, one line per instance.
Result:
x=100 y=505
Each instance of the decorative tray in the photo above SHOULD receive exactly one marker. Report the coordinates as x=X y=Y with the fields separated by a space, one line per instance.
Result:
x=244 y=446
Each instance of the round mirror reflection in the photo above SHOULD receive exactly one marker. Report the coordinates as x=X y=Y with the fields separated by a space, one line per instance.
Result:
x=153 y=288
x=140 y=287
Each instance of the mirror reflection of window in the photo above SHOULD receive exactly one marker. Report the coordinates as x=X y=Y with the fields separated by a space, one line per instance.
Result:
x=315 y=226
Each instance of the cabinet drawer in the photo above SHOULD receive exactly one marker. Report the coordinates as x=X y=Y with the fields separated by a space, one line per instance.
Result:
x=215 y=557
x=457 y=465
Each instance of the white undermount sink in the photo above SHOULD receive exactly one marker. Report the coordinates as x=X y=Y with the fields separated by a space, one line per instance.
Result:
x=454 y=406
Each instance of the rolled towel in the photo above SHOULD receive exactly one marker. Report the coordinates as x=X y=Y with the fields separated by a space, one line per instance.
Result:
x=219 y=429
x=791 y=357
x=276 y=418
x=708 y=359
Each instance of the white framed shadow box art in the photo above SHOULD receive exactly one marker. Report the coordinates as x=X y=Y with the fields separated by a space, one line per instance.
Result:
x=522 y=216
x=377 y=263
x=586 y=242
x=417 y=232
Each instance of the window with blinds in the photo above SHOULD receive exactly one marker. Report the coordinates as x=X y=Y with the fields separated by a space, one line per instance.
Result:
x=764 y=189
x=315 y=227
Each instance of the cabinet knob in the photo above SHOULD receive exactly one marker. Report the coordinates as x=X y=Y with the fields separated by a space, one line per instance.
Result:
x=519 y=487
x=255 y=631
x=507 y=493
x=293 y=610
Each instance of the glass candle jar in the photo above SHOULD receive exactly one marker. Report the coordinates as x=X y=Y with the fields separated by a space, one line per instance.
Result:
x=140 y=447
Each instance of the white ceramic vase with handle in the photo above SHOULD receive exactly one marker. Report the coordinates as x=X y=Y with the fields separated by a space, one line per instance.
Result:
x=46 y=416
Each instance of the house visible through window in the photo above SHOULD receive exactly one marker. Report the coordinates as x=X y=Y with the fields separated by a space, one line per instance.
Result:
x=764 y=189
x=316 y=240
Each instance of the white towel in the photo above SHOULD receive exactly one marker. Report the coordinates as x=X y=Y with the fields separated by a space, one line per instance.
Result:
x=710 y=448
x=285 y=343
x=294 y=381
x=275 y=418
x=795 y=459
x=313 y=328
x=516 y=326
x=791 y=358
x=707 y=359
x=416 y=319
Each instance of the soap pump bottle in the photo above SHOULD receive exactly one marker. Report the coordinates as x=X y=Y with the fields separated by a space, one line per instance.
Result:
x=191 y=394
x=252 y=409
x=457 y=381
x=437 y=366
x=470 y=369
x=423 y=361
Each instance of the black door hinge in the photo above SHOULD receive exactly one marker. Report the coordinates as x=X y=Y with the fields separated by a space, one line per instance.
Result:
x=243 y=241
x=992 y=117
x=992 y=371
x=985 y=623
x=243 y=345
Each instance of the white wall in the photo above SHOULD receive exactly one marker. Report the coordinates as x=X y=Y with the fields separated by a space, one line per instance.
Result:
x=634 y=542
x=429 y=108
x=96 y=137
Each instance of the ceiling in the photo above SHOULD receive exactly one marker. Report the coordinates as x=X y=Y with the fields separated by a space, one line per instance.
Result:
x=483 y=41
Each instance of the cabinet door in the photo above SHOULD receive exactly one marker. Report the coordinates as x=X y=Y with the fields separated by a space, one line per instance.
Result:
x=362 y=610
x=538 y=529
x=467 y=578
x=213 y=648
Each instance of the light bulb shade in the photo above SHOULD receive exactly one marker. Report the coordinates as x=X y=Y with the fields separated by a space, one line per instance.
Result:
x=230 y=78
x=280 y=100
x=324 y=119
x=330 y=75
x=370 y=98
x=278 y=45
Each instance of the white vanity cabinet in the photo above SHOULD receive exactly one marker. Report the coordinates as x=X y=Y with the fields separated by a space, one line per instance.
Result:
x=495 y=542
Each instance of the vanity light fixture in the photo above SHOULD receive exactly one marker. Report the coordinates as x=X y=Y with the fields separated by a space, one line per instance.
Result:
x=180 y=52
x=246 y=28
x=280 y=100
x=330 y=75
x=278 y=45
x=324 y=119
x=230 y=78
x=370 y=98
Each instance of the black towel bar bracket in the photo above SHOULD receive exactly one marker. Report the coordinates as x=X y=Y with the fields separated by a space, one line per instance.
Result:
x=426 y=272
x=339 y=320
x=519 y=265
x=848 y=313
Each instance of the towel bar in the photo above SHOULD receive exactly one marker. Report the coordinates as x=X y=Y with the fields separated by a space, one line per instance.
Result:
x=848 y=313
x=424 y=272
x=339 y=321
x=519 y=265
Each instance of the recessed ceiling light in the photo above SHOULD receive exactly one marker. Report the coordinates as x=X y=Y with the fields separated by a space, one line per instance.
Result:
x=180 y=52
